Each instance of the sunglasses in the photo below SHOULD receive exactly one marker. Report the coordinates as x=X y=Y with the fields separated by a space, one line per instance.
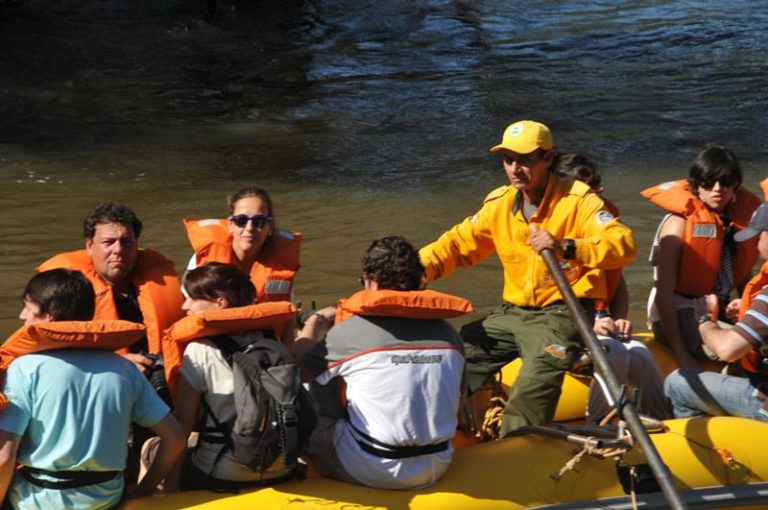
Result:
x=259 y=221
x=526 y=160
x=726 y=181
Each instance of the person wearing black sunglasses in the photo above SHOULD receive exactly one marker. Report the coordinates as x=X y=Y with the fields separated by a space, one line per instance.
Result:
x=249 y=240
x=693 y=251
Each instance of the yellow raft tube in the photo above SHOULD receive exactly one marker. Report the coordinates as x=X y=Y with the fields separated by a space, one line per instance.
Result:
x=719 y=462
x=520 y=472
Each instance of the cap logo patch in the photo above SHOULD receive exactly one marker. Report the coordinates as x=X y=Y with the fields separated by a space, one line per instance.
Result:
x=603 y=216
x=706 y=230
x=516 y=131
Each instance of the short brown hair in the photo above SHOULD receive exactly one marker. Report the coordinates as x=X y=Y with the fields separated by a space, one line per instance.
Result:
x=216 y=280
x=63 y=294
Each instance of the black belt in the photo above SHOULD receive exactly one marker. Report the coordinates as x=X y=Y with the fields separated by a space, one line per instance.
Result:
x=396 y=451
x=67 y=479
x=586 y=303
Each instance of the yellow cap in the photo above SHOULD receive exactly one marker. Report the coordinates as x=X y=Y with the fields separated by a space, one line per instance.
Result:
x=524 y=137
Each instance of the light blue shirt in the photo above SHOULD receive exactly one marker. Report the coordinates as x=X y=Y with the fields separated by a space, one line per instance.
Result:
x=73 y=409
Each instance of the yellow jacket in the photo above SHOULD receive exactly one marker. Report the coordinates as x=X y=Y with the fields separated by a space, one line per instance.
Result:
x=569 y=210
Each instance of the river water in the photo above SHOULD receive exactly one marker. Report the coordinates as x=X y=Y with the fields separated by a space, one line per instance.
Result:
x=362 y=118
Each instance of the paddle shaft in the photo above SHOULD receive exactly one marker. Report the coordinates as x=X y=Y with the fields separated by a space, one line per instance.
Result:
x=660 y=470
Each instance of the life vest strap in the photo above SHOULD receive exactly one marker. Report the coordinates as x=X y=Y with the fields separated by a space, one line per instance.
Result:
x=66 y=479
x=388 y=451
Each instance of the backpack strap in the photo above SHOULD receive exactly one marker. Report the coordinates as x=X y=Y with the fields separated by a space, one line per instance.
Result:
x=228 y=347
x=291 y=440
x=222 y=431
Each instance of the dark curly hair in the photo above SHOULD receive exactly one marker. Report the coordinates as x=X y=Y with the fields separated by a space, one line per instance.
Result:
x=111 y=212
x=394 y=264
x=63 y=294
x=215 y=280
x=575 y=166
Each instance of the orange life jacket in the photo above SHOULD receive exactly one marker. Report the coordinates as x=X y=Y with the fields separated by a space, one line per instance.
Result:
x=752 y=360
x=107 y=335
x=273 y=272
x=275 y=316
x=158 y=292
x=704 y=235
x=413 y=304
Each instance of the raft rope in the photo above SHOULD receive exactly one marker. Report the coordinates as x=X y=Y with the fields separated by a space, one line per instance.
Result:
x=600 y=453
x=489 y=430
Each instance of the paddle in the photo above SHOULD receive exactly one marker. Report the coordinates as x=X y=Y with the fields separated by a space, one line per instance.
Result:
x=660 y=470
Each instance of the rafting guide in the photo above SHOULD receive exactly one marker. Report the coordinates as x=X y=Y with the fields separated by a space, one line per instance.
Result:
x=532 y=322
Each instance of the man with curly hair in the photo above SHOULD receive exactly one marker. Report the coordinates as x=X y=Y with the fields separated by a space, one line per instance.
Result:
x=387 y=376
x=130 y=283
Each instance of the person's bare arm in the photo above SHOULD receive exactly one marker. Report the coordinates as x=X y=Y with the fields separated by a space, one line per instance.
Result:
x=9 y=447
x=726 y=344
x=670 y=252
x=172 y=443
x=316 y=326
x=186 y=413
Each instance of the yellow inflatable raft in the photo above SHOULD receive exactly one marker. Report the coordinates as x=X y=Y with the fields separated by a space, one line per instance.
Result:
x=717 y=462
x=522 y=472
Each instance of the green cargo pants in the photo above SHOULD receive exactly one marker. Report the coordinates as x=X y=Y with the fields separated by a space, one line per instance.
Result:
x=546 y=338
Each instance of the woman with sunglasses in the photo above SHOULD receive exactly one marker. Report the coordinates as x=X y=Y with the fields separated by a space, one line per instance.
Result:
x=694 y=253
x=249 y=240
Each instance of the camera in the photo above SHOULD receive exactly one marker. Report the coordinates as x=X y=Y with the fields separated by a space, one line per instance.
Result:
x=156 y=376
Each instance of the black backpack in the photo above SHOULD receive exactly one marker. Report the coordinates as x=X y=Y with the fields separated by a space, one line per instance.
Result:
x=275 y=413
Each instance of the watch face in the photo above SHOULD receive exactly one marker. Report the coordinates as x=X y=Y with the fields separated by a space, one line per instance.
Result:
x=570 y=249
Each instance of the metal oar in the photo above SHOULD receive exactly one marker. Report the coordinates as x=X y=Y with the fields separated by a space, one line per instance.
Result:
x=660 y=470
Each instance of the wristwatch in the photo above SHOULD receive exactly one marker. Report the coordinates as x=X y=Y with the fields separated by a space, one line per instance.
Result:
x=569 y=249
x=704 y=317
